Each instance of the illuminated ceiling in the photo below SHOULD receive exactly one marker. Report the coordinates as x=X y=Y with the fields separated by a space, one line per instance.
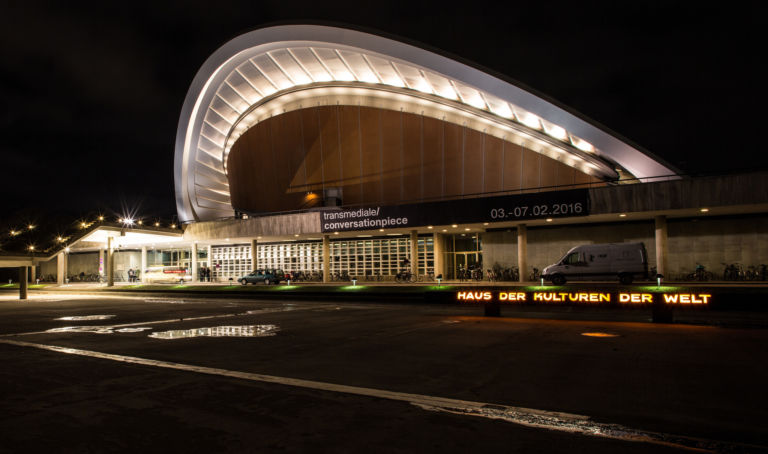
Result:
x=272 y=70
x=129 y=237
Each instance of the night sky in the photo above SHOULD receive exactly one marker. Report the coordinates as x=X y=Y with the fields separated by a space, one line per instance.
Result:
x=90 y=96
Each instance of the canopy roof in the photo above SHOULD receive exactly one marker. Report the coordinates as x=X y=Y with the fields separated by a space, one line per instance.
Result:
x=269 y=71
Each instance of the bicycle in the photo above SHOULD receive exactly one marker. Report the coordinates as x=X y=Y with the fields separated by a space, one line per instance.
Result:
x=404 y=277
x=732 y=272
x=700 y=274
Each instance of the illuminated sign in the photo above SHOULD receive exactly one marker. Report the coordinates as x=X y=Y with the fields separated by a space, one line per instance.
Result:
x=686 y=298
x=512 y=296
x=474 y=296
x=579 y=297
x=508 y=296
x=542 y=205
x=635 y=297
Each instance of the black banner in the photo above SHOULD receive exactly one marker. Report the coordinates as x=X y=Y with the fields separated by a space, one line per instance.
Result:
x=540 y=205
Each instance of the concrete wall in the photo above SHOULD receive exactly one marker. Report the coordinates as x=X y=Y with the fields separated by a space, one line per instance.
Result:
x=286 y=224
x=83 y=262
x=710 y=242
x=728 y=190
x=548 y=244
x=88 y=263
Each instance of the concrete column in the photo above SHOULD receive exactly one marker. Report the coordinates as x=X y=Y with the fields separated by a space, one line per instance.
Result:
x=32 y=274
x=254 y=255
x=110 y=263
x=661 y=245
x=326 y=259
x=143 y=264
x=437 y=239
x=22 y=282
x=101 y=263
x=195 y=268
x=522 y=251
x=414 y=253
x=210 y=262
x=61 y=268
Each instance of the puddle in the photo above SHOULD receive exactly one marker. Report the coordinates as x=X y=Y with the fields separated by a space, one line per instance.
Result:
x=166 y=301
x=86 y=317
x=138 y=329
x=81 y=329
x=267 y=310
x=598 y=334
x=219 y=331
x=97 y=329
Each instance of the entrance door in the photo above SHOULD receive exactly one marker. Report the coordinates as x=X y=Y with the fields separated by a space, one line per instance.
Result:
x=466 y=262
x=460 y=265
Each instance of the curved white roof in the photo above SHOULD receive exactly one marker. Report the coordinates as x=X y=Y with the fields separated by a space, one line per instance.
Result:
x=266 y=71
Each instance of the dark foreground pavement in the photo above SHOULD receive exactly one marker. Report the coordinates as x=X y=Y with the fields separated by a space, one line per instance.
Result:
x=670 y=386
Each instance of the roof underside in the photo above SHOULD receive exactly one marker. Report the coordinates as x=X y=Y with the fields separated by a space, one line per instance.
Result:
x=295 y=61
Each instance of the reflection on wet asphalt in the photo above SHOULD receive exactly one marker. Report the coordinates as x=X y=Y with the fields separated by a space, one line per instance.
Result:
x=86 y=317
x=599 y=334
x=219 y=331
x=138 y=329
x=81 y=329
x=96 y=329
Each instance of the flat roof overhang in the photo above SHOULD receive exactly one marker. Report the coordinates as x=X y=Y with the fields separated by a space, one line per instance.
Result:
x=210 y=237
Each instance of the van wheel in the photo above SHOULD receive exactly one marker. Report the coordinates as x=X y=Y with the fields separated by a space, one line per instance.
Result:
x=625 y=279
x=558 y=279
x=243 y=281
x=266 y=281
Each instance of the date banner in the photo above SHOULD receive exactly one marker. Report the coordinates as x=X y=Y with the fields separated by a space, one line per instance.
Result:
x=540 y=205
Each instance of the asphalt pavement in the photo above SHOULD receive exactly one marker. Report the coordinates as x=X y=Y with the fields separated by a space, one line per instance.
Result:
x=203 y=373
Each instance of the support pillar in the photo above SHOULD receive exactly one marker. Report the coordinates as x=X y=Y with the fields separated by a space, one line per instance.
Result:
x=326 y=259
x=143 y=264
x=254 y=255
x=22 y=282
x=661 y=245
x=101 y=264
x=210 y=263
x=414 y=254
x=438 y=246
x=110 y=263
x=32 y=274
x=522 y=251
x=193 y=257
x=61 y=268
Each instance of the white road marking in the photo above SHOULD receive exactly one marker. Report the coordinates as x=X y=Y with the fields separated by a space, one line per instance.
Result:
x=564 y=422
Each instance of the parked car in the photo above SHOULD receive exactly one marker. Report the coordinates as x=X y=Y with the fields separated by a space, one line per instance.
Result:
x=622 y=261
x=267 y=276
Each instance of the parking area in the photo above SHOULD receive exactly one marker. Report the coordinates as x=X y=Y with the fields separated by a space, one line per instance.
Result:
x=100 y=372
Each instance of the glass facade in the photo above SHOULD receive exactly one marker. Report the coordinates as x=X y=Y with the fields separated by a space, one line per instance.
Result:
x=306 y=257
x=363 y=257
x=462 y=253
x=230 y=262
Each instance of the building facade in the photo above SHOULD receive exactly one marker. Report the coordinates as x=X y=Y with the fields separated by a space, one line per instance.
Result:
x=334 y=152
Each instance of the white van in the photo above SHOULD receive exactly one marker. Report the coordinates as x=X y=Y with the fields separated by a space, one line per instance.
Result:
x=589 y=262
x=167 y=274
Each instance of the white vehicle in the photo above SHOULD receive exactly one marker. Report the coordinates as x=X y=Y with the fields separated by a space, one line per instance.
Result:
x=167 y=274
x=589 y=262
